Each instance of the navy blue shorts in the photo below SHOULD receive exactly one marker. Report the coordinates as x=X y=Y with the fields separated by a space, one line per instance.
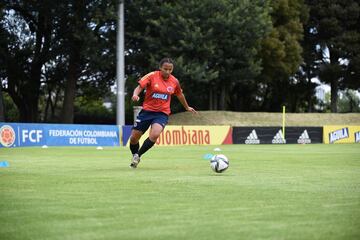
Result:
x=146 y=118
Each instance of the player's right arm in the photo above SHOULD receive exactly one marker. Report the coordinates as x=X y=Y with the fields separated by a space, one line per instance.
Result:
x=143 y=82
x=135 y=97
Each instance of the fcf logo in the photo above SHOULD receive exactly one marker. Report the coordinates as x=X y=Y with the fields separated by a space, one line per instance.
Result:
x=7 y=136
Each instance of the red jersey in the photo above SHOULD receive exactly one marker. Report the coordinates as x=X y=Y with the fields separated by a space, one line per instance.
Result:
x=159 y=91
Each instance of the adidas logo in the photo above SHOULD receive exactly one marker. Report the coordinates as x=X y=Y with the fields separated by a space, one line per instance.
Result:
x=252 y=138
x=304 y=137
x=278 y=138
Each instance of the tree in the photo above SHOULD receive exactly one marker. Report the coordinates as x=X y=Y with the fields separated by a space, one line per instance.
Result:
x=87 y=36
x=2 y=112
x=349 y=102
x=281 y=55
x=40 y=41
x=74 y=41
x=91 y=42
x=335 y=25
x=26 y=34
x=214 y=44
x=305 y=94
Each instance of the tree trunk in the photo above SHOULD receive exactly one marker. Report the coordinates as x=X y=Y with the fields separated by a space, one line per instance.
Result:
x=211 y=102
x=310 y=89
x=334 y=96
x=222 y=103
x=47 y=106
x=55 y=103
x=310 y=103
x=351 y=101
x=2 y=111
x=76 y=42
x=32 y=95
x=67 y=115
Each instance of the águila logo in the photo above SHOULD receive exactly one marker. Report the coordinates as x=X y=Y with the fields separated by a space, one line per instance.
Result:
x=7 y=136
x=357 y=137
x=338 y=135
x=183 y=137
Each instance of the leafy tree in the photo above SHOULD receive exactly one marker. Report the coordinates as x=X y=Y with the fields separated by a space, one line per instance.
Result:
x=2 y=111
x=281 y=55
x=12 y=114
x=25 y=29
x=335 y=26
x=91 y=41
x=349 y=102
x=55 y=52
x=305 y=94
x=74 y=40
x=214 y=44
x=88 y=109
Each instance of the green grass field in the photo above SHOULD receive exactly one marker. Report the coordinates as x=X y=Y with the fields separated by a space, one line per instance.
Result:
x=269 y=192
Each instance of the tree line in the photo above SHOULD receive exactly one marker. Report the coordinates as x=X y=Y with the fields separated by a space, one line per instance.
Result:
x=58 y=60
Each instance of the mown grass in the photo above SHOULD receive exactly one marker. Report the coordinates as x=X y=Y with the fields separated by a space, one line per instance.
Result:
x=269 y=192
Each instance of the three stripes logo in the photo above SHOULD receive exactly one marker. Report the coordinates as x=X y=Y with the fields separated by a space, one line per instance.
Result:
x=279 y=138
x=304 y=138
x=252 y=138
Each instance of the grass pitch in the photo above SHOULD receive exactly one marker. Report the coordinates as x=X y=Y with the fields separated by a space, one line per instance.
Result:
x=268 y=192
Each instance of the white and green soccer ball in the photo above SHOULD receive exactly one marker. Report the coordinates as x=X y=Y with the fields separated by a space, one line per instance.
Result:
x=219 y=163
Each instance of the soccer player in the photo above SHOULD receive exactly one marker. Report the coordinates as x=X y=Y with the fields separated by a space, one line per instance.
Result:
x=159 y=85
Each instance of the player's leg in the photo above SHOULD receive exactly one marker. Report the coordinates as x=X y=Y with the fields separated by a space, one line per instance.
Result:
x=155 y=131
x=134 y=140
x=141 y=125
x=158 y=124
x=134 y=147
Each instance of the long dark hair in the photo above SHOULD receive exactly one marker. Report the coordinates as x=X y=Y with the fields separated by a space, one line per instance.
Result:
x=166 y=60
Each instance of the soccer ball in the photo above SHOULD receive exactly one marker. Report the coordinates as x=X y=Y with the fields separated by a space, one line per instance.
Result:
x=219 y=163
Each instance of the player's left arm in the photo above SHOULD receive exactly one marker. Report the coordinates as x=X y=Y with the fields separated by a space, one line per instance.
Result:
x=183 y=101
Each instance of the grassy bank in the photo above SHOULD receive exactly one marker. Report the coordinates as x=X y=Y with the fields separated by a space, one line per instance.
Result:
x=264 y=119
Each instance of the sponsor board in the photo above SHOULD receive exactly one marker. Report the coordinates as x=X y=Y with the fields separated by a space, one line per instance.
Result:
x=341 y=134
x=191 y=135
x=274 y=135
x=23 y=135
x=125 y=134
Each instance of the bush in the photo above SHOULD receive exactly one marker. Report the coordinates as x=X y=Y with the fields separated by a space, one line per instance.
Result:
x=88 y=111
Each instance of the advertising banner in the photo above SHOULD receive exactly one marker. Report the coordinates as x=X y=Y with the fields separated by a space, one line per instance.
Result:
x=24 y=135
x=192 y=135
x=126 y=132
x=274 y=135
x=341 y=134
